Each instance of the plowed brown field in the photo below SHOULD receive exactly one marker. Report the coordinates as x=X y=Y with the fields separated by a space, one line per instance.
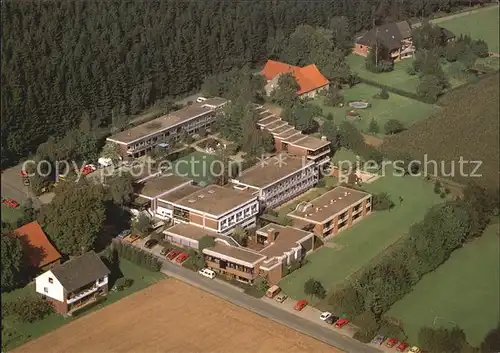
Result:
x=174 y=317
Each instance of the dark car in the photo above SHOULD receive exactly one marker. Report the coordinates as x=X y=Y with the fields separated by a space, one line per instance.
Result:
x=165 y=251
x=331 y=320
x=150 y=243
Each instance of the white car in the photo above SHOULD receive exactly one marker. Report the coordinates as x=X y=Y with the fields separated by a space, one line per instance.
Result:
x=206 y=272
x=325 y=315
x=200 y=99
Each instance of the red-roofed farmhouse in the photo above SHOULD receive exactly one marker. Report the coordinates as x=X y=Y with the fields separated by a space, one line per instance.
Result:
x=309 y=78
x=40 y=252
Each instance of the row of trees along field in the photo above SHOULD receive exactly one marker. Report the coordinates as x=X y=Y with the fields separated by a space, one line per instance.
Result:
x=62 y=60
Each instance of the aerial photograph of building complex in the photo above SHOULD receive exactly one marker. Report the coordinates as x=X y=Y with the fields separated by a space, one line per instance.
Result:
x=250 y=176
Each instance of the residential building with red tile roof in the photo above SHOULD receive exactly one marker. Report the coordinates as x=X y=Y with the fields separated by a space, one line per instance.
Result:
x=37 y=247
x=309 y=78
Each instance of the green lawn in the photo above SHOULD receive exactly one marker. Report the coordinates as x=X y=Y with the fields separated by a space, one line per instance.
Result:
x=26 y=332
x=397 y=107
x=198 y=166
x=10 y=215
x=367 y=238
x=464 y=290
x=483 y=24
x=398 y=78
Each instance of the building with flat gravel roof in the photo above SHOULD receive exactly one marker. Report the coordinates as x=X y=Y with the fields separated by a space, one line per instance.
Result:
x=279 y=179
x=139 y=140
x=335 y=210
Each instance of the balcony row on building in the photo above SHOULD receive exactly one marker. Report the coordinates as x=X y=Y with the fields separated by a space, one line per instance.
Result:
x=139 y=140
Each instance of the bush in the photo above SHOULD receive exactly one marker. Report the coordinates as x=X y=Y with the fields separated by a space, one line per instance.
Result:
x=389 y=329
x=382 y=202
x=383 y=94
x=394 y=90
x=411 y=71
x=368 y=326
x=123 y=283
x=28 y=309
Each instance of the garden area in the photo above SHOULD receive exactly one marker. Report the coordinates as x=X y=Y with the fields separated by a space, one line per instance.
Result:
x=462 y=292
x=16 y=333
x=10 y=215
x=353 y=248
x=404 y=109
x=398 y=78
x=198 y=166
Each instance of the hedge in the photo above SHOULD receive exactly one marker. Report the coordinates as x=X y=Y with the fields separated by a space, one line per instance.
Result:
x=137 y=256
x=396 y=90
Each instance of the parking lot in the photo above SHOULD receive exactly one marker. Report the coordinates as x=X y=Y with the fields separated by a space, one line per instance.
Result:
x=309 y=313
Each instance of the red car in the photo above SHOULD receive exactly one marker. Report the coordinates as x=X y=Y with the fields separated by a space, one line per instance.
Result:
x=300 y=305
x=402 y=346
x=23 y=173
x=341 y=323
x=10 y=203
x=86 y=170
x=173 y=254
x=391 y=342
x=181 y=258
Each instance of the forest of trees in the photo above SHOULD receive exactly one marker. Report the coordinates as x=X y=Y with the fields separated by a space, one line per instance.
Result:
x=107 y=60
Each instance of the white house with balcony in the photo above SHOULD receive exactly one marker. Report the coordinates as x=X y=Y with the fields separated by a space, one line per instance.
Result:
x=74 y=284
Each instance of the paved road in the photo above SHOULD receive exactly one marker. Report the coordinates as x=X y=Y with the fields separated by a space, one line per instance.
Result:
x=12 y=187
x=262 y=308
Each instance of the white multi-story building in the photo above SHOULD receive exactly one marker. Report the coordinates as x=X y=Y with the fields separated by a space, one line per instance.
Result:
x=279 y=179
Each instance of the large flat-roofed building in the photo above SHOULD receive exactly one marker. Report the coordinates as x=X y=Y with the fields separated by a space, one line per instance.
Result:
x=333 y=211
x=290 y=140
x=279 y=179
x=154 y=188
x=139 y=140
x=281 y=246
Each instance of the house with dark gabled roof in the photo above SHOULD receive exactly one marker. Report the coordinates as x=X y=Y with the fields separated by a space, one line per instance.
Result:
x=396 y=37
x=74 y=284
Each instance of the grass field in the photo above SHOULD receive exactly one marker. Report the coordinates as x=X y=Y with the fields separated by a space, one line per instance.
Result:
x=198 y=166
x=464 y=290
x=367 y=238
x=398 y=78
x=397 y=107
x=172 y=316
x=24 y=332
x=482 y=24
x=10 y=215
x=467 y=128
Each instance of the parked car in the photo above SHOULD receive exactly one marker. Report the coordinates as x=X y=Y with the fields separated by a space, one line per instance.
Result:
x=132 y=238
x=414 y=349
x=391 y=342
x=206 y=272
x=331 y=320
x=200 y=99
x=164 y=251
x=402 y=346
x=325 y=315
x=273 y=291
x=123 y=234
x=379 y=339
x=341 y=322
x=182 y=257
x=150 y=243
x=26 y=181
x=10 y=203
x=301 y=304
x=173 y=254
x=280 y=298
x=23 y=173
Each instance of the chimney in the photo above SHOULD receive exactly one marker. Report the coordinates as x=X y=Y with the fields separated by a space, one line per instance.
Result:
x=271 y=235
